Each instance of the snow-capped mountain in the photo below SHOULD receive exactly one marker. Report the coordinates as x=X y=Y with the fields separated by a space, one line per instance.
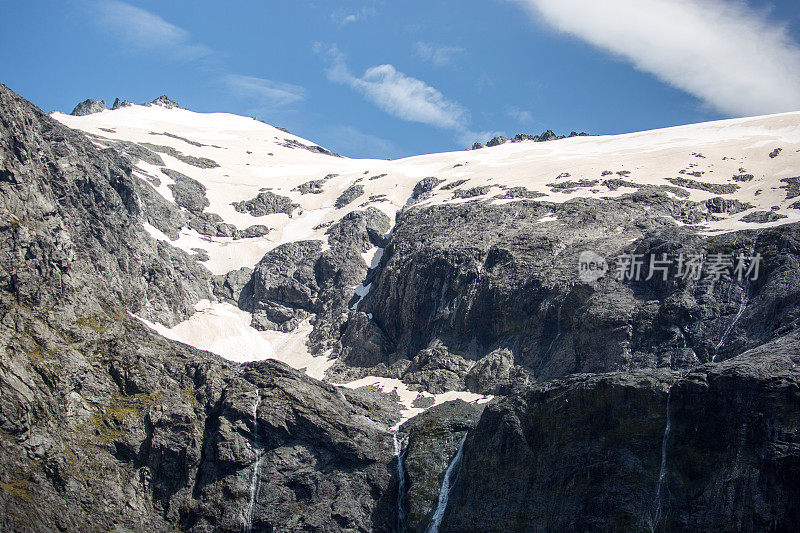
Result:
x=437 y=314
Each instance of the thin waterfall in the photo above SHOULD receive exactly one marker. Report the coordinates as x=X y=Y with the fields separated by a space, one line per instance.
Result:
x=401 y=484
x=247 y=527
x=663 y=472
x=444 y=494
x=742 y=304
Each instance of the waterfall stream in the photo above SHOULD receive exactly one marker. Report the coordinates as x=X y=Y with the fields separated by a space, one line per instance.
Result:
x=742 y=304
x=444 y=494
x=663 y=472
x=401 y=485
x=247 y=526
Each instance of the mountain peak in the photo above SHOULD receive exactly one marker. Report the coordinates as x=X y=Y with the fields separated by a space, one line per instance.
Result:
x=118 y=104
x=88 y=106
x=164 y=101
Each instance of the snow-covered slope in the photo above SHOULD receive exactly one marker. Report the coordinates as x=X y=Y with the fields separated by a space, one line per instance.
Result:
x=741 y=159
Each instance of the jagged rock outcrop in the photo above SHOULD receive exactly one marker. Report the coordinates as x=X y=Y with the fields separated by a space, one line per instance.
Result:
x=715 y=449
x=87 y=107
x=164 y=101
x=119 y=104
x=548 y=135
x=266 y=203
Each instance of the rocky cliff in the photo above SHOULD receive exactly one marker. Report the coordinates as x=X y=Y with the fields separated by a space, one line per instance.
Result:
x=107 y=426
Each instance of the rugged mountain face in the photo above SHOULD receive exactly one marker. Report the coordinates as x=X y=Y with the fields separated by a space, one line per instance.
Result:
x=717 y=448
x=474 y=279
x=649 y=403
x=107 y=426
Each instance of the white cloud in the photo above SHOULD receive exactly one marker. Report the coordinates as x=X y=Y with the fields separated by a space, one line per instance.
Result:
x=143 y=31
x=722 y=52
x=265 y=94
x=437 y=54
x=395 y=93
x=520 y=115
x=344 y=18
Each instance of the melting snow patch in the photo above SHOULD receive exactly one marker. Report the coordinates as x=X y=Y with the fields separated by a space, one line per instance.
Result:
x=225 y=330
x=407 y=397
x=361 y=291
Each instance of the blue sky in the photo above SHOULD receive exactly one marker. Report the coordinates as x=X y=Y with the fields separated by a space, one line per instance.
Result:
x=371 y=78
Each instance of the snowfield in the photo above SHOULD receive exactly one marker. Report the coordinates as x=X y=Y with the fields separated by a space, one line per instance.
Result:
x=255 y=157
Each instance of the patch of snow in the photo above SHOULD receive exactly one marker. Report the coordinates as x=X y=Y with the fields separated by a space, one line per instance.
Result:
x=225 y=330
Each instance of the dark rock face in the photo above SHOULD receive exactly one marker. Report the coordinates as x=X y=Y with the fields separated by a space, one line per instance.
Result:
x=124 y=430
x=105 y=425
x=266 y=203
x=762 y=216
x=360 y=229
x=72 y=216
x=477 y=278
x=432 y=441
x=87 y=107
x=285 y=285
x=235 y=287
x=602 y=452
x=292 y=143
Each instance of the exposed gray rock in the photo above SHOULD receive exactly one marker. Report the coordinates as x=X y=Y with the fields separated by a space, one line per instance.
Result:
x=235 y=287
x=72 y=215
x=292 y=143
x=478 y=278
x=472 y=192
x=425 y=186
x=285 y=285
x=199 y=162
x=136 y=152
x=496 y=141
x=88 y=107
x=762 y=216
x=164 y=101
x=559 y=185
x=360 y=229
x=349 y=194
x=104 y=425
x=727 y=205
x=188 y=193
x=311 y=187
x=715 y=188
x=792 y=187
x=266 y=203
x=119 y=104
x=453 y=184
x=520 y=192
